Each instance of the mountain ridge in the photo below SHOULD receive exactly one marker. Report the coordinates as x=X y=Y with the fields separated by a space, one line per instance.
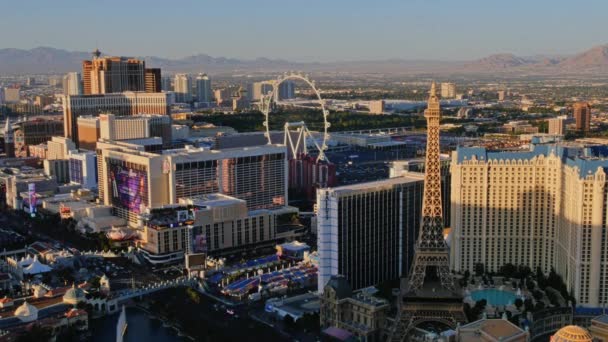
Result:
x=53 y=60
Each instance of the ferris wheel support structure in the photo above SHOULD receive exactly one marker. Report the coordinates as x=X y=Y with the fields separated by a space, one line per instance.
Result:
x=266 y=105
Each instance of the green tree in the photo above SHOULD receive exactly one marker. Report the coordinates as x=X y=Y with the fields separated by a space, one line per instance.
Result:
x=523 y=271
x=530 y=284
x=540 y=278
x=193 y=295
x=539 y=306
x=479 y=269
x=508 y=270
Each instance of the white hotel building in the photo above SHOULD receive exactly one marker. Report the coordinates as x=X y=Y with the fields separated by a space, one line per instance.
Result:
x=367 y=231
x=545 y=207
x=133 y=181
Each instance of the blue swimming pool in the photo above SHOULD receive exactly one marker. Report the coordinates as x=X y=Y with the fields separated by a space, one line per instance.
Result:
x=494 y=296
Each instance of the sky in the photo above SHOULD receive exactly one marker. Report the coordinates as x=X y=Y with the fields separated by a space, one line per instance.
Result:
x=308 y=30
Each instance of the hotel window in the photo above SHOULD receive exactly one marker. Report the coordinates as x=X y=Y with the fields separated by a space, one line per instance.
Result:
x=166 y=241
x=175 y=246
x=261 y=223
x=239 y=232
x=216 y=235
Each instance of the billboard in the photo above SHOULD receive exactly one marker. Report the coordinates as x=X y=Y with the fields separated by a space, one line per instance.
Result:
x=199 y=244
x=31 y=196
x=182 y=215
x=196 y=262
x=128 y=186
x=65 y=212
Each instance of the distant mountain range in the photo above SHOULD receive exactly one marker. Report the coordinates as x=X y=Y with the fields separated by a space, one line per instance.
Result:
x=51 y=60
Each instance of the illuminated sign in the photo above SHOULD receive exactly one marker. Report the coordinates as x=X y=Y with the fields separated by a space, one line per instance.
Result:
x=31 y=196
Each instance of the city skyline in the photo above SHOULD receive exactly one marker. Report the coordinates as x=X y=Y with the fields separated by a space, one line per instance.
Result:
x=398 y=170
x=318 y=32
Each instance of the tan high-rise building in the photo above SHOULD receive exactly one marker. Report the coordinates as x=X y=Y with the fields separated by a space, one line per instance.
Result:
x=582 y=115
x=557 y=125
x=104 y=75
x=502 y=95
x=117 y=74
x=59 y=148
x=130 y=127
x=541 y=208
x=222 y=96
x=87 y=67
x=113 y=128
x=135 y=127
x=257 y=89
x=448 y=90
x=127 y=103
x=88 y=132
x=152 y=80
x=376 y=107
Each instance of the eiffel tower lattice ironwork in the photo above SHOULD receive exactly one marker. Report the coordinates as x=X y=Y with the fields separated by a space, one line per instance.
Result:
x=431 y=248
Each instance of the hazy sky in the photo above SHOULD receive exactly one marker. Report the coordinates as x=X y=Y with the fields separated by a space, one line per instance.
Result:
x=308 y=30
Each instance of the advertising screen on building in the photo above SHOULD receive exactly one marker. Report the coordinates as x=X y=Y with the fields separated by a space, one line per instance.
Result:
x=199 y=244
x=65 y=212
x=128 y=186
x=31 y=192
x=196 y=262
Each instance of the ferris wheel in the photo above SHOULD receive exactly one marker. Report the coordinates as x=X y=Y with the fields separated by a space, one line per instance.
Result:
x=265 y=106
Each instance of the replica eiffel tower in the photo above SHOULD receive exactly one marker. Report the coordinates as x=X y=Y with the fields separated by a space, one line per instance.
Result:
x=429 y=293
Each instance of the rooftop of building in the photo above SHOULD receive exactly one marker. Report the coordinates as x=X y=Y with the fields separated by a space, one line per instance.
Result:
x=388 y=143
x=190 y=151
x=602 y=319
x=572 y=333
x=340 y=285
x=298 y=305
x=586 y=157
x=212 y=200
x=120 y=95
x=496 y=329
x=442 y=157
x=368 y=297
x=26 y=171
x=295 y=246
x=377 y=185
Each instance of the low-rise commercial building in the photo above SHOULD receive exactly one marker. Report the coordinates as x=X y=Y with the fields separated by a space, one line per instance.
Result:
x=489 y=330
x=222 y=223
x=359 y=313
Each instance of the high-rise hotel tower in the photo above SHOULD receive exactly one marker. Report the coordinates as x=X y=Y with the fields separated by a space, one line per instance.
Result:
x=546 y=207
